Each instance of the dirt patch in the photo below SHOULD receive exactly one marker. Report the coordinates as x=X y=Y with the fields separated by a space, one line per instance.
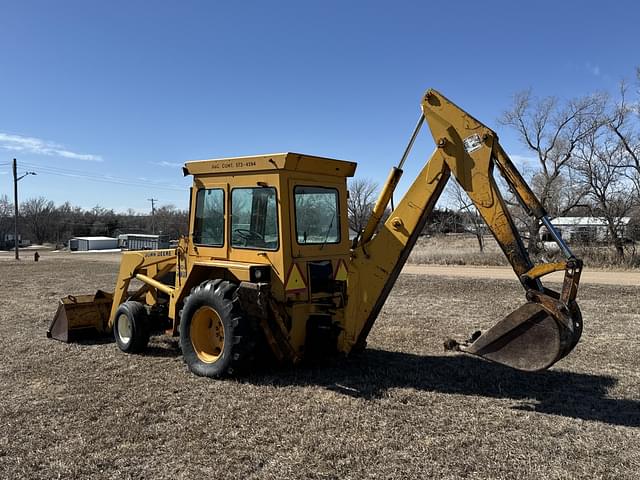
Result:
x=604 y=277
x=402 y=409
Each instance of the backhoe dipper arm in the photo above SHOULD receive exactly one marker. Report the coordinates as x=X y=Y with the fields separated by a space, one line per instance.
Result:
x=534 y=336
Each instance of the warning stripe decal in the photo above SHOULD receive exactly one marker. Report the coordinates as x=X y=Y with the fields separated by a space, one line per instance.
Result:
x=341 y=272
x=295 y=280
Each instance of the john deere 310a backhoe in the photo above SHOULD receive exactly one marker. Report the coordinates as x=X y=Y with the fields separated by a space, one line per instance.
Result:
x=268 y=264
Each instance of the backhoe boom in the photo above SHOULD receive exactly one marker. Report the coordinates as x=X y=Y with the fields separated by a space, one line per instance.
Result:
x=534 y=336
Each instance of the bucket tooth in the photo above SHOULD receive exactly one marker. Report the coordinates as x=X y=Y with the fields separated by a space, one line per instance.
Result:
x=529 y=338
x=81 y=317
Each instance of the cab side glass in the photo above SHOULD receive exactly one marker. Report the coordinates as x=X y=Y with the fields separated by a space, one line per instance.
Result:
x=254 y=218
x=209 y=217
x=317 y=215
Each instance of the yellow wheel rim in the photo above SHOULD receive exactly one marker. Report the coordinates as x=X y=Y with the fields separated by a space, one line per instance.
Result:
x=207 y=334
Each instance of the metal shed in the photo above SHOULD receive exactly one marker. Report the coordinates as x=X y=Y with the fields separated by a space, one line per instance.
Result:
x=141 y=241
x=92 y=243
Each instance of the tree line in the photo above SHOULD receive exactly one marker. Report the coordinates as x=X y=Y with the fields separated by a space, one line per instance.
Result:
x=41 y=221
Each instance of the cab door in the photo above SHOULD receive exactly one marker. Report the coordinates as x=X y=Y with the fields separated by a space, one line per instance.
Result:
x=209 y=219
x=318 y=218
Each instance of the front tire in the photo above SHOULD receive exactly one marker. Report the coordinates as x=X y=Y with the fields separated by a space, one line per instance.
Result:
x=131 y=327
x=216 y=338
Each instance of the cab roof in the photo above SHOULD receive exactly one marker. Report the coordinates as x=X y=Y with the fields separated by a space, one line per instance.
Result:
x=297 y=162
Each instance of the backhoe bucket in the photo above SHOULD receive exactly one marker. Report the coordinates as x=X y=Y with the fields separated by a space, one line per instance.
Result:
x=80 y=317
x=529 y=339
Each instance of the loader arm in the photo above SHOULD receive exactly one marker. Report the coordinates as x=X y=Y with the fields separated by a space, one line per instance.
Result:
x=534 y=336
x=86 y=316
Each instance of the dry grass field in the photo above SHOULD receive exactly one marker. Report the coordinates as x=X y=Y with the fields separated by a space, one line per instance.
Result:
x=456 y=249
x=462 y=249
x=403 y=409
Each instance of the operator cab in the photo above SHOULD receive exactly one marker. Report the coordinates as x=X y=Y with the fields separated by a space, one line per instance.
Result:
x=286 y=210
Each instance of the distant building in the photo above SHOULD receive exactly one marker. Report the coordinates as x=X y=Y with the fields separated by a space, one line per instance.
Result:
x=84 y=244
x=140 y=241
x=586 y=229
x=8 y=242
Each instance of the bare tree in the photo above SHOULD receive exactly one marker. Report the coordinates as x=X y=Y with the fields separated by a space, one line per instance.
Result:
x=101 y=221
x=601 y=164
x=472 y=221
x=6 y=217
x=624 y=122
x=38 y=216
x=552 y=130
x=362 y=198
x=171 y=221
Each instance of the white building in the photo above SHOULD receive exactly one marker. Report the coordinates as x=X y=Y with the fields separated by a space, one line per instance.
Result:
x=83 y=244
x=9 y=243
x=586 y=229
x=141 y=241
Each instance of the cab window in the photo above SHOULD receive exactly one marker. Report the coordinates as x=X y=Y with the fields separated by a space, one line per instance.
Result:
x=254 y=218
x=317 y=215
x=209 y=218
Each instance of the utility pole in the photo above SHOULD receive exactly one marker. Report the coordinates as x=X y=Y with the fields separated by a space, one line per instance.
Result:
x=16 y=178
x=15 y=206
x=153 y=214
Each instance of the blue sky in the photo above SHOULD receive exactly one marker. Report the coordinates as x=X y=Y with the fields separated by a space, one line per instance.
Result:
x=124 y=92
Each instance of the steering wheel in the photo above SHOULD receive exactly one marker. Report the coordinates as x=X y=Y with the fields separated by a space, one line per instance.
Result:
x=247 y=234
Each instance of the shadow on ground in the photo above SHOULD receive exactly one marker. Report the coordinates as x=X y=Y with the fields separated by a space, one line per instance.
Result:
x=163 y=347
x=369 y=374
x=160 y=346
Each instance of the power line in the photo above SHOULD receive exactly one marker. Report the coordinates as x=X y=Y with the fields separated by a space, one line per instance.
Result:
x=83 y=174
x=67 y=170
x=103 y=179
x=59 y=169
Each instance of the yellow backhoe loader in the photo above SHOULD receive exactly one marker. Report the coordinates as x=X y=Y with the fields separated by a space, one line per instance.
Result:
x=268 y=264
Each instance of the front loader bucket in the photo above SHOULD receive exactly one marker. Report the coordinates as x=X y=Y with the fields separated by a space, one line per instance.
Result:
x=81 y=316
x=529 y=339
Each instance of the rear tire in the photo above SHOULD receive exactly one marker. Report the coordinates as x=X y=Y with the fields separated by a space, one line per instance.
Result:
x=217 y=340
x=131 y=327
